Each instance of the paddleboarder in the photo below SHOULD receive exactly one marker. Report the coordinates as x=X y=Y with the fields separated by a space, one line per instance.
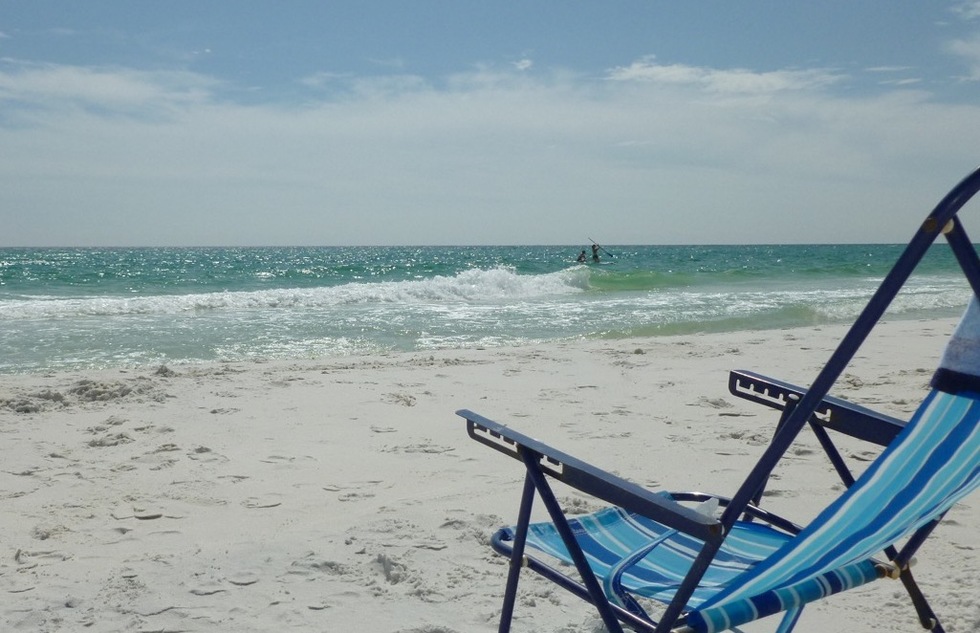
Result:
x=595 y=250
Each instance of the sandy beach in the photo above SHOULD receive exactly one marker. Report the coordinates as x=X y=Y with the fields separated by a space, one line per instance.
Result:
x=344 y=494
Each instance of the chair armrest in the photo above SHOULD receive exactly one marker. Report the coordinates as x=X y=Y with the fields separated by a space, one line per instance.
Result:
x=833 y=413
x=590 y=479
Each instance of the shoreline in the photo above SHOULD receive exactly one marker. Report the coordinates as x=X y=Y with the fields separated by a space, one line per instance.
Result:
x=342 y=493
x=356 y=353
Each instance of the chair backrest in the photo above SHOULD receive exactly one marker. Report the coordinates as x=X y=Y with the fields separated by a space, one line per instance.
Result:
x=933 y=463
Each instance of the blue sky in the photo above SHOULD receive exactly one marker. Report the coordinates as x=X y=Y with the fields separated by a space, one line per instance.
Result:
x=395 y=122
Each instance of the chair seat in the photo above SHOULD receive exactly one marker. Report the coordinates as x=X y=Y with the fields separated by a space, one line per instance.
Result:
x=613 y=535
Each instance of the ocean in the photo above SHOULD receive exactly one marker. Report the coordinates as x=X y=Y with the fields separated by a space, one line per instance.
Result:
x=75 y=308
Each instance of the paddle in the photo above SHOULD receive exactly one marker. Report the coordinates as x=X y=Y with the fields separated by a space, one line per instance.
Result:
x=600 y=248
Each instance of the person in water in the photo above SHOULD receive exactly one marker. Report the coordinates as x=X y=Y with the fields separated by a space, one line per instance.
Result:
x=581 y=257
x=595 y=252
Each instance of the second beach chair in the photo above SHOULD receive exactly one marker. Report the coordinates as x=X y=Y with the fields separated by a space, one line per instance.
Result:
x=715 y=573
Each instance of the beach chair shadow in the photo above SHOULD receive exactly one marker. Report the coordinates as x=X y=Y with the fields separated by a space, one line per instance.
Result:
x=717 y=570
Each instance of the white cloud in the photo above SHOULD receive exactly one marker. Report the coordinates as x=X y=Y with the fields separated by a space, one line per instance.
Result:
x=969 y=10
x=718 y=80
x=894 y=70
x=889 y=69
x=669 y=154
x=969 y=51
x=524 y=64
x=60 y=86
x=323 y=78
x=909 y=81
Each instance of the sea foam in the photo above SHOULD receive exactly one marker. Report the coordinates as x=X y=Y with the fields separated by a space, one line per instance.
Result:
x=475 y=285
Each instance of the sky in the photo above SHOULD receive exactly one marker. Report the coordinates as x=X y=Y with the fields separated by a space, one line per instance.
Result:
x=445 y=122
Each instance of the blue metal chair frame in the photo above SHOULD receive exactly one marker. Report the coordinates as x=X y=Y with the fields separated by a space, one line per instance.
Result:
x=799 y=408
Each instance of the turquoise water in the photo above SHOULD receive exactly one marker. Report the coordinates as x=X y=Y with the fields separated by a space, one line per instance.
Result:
x=80 y=308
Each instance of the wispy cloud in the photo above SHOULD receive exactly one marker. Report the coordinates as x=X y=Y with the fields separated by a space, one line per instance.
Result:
x=889 y=69
x=523 y=64
x=888 y=80
x=324 y=78
x=722 y=80
x=968 y=10
x=60 y=86
x=968 y=50
x=909 y=81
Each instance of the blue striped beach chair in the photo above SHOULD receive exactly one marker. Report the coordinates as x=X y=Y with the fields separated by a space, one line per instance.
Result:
x=718 y=570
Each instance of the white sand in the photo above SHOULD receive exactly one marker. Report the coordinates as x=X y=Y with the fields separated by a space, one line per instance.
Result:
x=344 y=495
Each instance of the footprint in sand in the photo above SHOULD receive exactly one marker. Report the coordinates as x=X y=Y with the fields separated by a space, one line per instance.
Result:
x=313 y=563
x=138 y=513
x=26 y=559
x=43 y=533
x=110 y=422
x=354 y=491
x=109 y=440
x=243 y=578
x=208 y=589
x=205 y=454
x=277 y=459
x=403 y=399
x=262 y=502
x=418 y=448
x=234 y=478
x=713 y=403
x=355 y=496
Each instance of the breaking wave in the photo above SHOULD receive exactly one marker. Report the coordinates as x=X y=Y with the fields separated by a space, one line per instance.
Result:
x=470 y=286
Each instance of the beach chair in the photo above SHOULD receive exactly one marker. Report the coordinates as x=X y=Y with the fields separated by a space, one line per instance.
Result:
x=714 y=570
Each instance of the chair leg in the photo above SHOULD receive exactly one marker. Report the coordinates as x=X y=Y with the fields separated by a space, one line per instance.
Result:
x=517 y=555
x=927 y=617
x=599 y=599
